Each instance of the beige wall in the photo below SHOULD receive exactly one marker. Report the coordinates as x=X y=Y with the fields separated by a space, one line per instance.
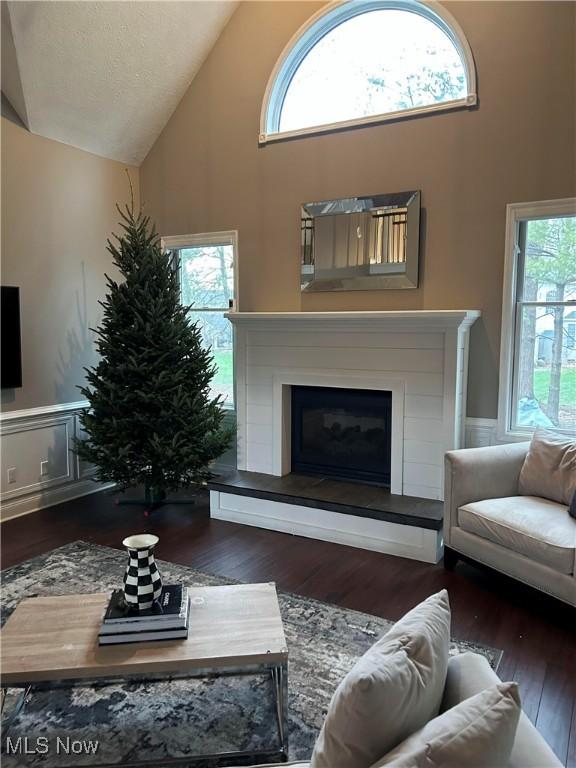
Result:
x=58 y=208
x=206 y=171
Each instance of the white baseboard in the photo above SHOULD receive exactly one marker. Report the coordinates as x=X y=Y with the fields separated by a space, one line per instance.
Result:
x=34 y=502
x=364 y=533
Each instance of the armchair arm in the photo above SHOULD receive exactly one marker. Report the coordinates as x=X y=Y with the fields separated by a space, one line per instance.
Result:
x=474 y=474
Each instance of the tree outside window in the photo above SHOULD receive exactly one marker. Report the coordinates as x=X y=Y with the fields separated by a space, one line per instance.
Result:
x=378 y=62
x=207 y=284
x=545 y=375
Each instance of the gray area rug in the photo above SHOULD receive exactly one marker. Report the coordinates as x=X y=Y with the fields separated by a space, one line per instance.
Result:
x=164 y=720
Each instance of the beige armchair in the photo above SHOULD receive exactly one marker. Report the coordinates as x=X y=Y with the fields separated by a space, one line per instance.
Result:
x=486 y=519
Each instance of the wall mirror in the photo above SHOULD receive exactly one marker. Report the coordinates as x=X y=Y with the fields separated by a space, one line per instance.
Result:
x=361 y=243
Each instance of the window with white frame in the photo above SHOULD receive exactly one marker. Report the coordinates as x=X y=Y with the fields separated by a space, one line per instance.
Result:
x=366 y=61
x=206 y=264
x=538 y=358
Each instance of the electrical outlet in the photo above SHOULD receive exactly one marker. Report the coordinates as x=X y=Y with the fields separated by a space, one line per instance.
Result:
x=11 y=472
x=44 y=468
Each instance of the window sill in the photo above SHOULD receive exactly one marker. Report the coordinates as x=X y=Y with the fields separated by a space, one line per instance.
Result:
x=470 y=101
x=511 y=436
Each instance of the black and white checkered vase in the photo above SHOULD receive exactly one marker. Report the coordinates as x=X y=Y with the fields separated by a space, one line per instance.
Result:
x=142 y=581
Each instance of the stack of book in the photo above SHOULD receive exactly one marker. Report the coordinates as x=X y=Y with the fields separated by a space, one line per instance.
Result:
x=166 y=620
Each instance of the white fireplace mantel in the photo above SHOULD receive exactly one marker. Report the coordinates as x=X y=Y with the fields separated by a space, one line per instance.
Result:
x=420 y=356
x=425 y=319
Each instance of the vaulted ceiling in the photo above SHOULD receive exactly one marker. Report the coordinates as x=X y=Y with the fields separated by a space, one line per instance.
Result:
x=105 y=76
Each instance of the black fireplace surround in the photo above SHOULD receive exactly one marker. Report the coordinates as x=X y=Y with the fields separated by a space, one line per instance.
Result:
x=342 y=433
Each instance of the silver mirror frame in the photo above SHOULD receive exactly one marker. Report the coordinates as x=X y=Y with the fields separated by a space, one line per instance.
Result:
x=355 y=278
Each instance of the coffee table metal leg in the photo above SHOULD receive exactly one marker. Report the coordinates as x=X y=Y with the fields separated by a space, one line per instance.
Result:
x=18 y=706
x=280 y=679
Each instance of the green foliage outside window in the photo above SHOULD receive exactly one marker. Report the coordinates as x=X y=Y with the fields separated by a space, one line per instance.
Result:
x=207 y=285
x=546 y=377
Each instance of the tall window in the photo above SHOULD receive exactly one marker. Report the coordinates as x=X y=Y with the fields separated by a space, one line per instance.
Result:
x=538 y=376
x=207 y=269
x=365 y=61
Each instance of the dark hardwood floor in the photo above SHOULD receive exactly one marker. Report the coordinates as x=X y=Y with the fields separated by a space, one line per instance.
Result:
x=536 y=633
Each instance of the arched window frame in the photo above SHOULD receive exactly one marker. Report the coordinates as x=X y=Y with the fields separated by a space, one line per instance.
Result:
x=323 y=22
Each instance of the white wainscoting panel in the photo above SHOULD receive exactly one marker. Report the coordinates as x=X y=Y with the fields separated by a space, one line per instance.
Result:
x=39 y=467
x=481 y=432
x=484 y=432
x=35 y=455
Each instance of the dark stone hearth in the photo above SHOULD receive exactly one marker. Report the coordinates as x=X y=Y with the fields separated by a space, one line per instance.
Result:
x=358 y=499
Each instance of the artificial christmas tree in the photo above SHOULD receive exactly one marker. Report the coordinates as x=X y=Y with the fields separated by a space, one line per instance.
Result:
x=152 y=421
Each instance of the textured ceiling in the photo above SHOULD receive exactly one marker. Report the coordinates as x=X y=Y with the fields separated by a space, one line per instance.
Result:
x=106 y=76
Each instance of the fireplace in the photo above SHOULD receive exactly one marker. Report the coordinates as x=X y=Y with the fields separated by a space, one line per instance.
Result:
x=416 y=359
x=342 y=433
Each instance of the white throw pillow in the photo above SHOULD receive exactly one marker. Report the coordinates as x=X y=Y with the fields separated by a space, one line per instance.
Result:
x=478 y=732
x=392 y=691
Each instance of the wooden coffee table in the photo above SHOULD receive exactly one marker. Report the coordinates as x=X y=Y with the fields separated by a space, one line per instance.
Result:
x=234 y=630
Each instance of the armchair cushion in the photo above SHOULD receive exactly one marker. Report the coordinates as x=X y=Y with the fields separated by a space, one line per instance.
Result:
x=541 y=530
x=549 y=469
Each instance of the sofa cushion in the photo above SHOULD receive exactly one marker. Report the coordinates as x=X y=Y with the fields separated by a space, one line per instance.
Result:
x=541 y=530
x=549 y=469
x=476 y=733
x=392 y=691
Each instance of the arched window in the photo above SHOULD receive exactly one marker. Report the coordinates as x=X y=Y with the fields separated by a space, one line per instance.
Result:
x=367 y=61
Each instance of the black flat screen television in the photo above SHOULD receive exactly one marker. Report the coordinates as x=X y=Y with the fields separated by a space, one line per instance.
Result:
x=11 y=355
